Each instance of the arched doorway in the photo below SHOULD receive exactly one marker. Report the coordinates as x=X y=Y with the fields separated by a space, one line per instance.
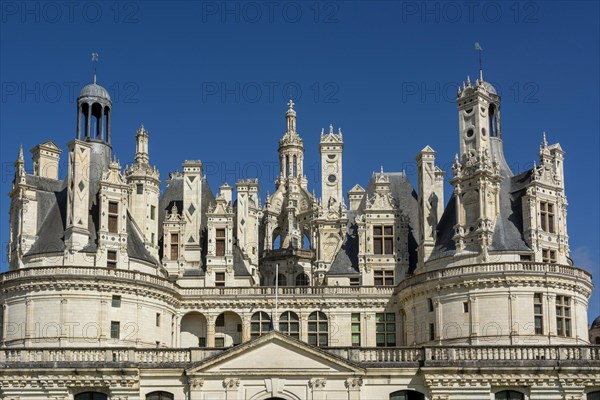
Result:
x=193 y=330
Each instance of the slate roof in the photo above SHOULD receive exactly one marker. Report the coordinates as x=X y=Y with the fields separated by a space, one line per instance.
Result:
x=346 y=261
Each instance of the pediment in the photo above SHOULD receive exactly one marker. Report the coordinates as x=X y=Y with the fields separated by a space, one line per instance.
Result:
x=275 y=353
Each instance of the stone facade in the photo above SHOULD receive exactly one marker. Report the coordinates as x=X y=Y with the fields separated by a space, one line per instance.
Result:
x=117 y=289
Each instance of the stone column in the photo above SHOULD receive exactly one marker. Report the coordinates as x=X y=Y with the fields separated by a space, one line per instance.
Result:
x=101 y=124
x=474 y=320
x=78 y=122
x=88 y=121
x=514 y=315
x=232 y=388
x=177 y=330
x=103 y=322
x=28 y=320
x=245 y=327
x=304 y=326
x=574 y=330
x=551 y=299
x=353 y=385
x=210 y=330
x=63 y=322
x=4 y=324
x=108 y=133
x=317 y=388
x=439 y=320
x=369 y=329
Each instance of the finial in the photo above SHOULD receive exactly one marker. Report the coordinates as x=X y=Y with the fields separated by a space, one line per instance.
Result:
x=21 y=157
x=291 y=104
x=455 y=157
x=331 y=129
x=544 y=141
x=480 y=50
x=95 y=60
x=468 y=80
x=340 y=131
x=322 y=131
x=382 y=170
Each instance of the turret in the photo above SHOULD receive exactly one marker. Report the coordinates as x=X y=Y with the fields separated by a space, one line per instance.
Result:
x=330 y=148
x=144 y=188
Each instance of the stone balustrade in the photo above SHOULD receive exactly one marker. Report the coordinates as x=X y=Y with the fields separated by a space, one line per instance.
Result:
x=456 y=355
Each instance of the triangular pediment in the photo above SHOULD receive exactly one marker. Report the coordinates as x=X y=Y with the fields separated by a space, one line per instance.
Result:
x=275 y=353
x=356 y=188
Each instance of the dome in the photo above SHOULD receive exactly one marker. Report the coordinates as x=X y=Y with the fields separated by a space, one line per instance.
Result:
x=94 y=90
x=596 y=323
x=489 y=87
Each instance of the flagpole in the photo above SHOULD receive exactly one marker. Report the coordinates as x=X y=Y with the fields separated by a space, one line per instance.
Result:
x=276 y=295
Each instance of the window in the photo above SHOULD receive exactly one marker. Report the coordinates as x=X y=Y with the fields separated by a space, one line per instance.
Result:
x=593 y=395
x=152 y=213
x=355 y=320
x=354 y=281
x=563 y=316
x=111 y=259
x=548 y=256
x=201 y=342
x=538 y=315
x=383 y=239
x=220 y=321
x=219 y=341
x=407 y=395
x=116 y=301
x=115 y=328
x=219 y=278
x=220 y=243
x=289 y=324
x=113 y=217
x=385 y=327
x=260 y=323
x=91 y=396
x=174 y=246
x=159 y=396
x=158 y=319
x=466 y=307
x=302 y=280
x=509 y=395
x=152 y=238
x=281 y=280
x=432 y=331
x=430 y=305
x=383 y=277
x=547 y=217
x=318 y=330
x=139 y=188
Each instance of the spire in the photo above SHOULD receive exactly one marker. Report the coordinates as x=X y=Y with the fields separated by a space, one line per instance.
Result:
x=21 y=158
x=141 y=146
x=95 y=60
x=290 y=117
x=544 y=141
x=480 y=50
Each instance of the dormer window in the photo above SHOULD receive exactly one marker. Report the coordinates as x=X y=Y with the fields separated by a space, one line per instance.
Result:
x=547 y=217
x=383 y=239
x=113 y=217
x=220 y=242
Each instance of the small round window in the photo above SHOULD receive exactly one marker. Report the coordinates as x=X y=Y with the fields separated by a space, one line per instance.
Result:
x=470 y=133
x=331 y=178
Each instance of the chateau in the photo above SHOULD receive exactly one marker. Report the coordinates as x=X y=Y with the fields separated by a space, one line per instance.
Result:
x=118 y=290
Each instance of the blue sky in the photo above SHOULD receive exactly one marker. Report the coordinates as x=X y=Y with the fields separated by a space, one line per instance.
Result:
x=210 y=81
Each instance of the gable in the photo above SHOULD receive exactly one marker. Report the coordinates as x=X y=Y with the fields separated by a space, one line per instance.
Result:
x=274 y=353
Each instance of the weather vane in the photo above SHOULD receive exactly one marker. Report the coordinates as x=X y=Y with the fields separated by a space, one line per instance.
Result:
x=95 y=60
x=480 y=50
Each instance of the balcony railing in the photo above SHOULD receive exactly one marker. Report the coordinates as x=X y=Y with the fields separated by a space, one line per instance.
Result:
x=429 y=355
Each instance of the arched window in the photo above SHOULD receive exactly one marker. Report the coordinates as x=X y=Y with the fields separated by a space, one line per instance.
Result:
x=407 y=395
x=159 y=396
x=294 y=167
x=302 y=279
x=593 y=395
x=91 y=396
x=318 y=330
x=281 y=280
x=260 y=323
x=509 y=395
x=289 y=323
